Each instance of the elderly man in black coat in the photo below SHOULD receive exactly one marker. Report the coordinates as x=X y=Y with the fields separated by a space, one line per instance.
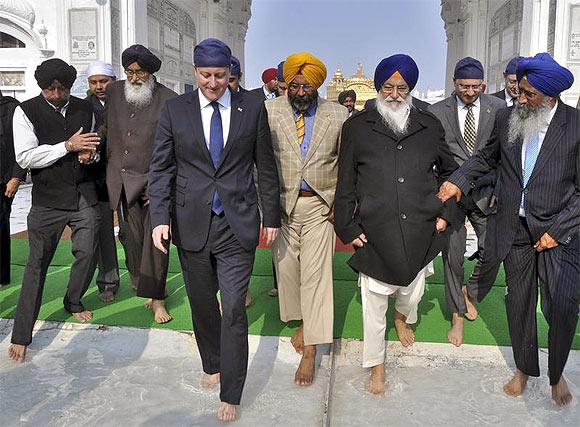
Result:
x=386 y=205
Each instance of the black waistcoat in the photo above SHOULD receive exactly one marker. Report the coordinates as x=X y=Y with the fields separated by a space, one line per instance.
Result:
x=58 y=185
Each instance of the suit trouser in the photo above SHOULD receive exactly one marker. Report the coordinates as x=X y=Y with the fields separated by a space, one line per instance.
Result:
x=147 y=265
x=558 y=271
x=484 y=272
x=45 y=227
x=108 y=277
x=224 y=265
x=375 y=302
x=303 y=255
x=5 y=209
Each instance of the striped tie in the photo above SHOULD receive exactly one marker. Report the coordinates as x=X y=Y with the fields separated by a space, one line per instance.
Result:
x=469 y=133
x=300 y=128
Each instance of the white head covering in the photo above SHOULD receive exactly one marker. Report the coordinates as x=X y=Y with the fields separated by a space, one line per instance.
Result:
x=100 y=68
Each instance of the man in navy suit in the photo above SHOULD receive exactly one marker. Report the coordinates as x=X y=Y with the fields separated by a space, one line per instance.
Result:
x=201 y=184
x=536 y=232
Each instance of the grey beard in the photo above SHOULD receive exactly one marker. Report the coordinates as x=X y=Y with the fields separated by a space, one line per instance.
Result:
x=140 y=95
x=524 y=122
x=395 y=119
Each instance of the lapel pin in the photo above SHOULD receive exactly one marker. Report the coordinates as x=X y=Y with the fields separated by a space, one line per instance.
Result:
x=240 y=109
x=488 y=111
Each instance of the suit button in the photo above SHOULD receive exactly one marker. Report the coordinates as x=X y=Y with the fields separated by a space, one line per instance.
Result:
x=129 y=133
x=123 y=170
x=401 y=180
x=126 y=151
x=132 y=115
x=403 y=216
x=399 y=147
x=472 y=185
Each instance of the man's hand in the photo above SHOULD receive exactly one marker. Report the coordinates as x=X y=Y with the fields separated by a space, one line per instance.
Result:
x=83 y=141
x=86 y=156
x=270 y=234
x=161 y=237
x=330 y=215
x=447 y=191
x=441 y=225
x=545 y=242
x=492 y=201
x=359 y=241
x=12 y=187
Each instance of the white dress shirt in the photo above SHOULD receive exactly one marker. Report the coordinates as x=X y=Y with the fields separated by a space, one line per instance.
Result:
x=225 y=105
x=29 y=154
x=268 y=94
x=541 y=136
x=508 y=98
x=462 y=114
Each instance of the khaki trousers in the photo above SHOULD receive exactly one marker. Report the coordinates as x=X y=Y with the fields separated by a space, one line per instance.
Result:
x=375 y=301
x=302 y=256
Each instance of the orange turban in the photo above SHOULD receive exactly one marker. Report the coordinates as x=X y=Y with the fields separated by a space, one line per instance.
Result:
x=312 y=68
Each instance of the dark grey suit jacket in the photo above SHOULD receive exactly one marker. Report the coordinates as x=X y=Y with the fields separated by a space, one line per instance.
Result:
x=182 y=177
x=446 y=112
x=552 y=194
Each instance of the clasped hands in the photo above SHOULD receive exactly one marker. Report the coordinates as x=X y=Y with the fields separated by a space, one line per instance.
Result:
x=449 y=190
x=85 y=144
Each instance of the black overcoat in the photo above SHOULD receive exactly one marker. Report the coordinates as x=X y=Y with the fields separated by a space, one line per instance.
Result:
x=387 y=189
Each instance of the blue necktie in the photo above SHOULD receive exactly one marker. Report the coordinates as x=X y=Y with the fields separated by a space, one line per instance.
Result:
x=532 y=152
x=216 y=146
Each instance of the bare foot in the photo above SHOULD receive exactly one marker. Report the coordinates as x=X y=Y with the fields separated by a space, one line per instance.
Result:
x=107 y=296
x=83 y=316
x=517 y=384
x=273 y=292
x=305 y=372
x=226 y=412
x=17 y=352
x=404 y=331
x=560 y=393
x=455 y=334
x=159 y=311
x=297 y=340
x=376 y=384
x=210 y=381
x=248 y=299
x=471 y=309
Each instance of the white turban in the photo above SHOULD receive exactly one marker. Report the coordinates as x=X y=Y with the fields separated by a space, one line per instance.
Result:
x=100 y=68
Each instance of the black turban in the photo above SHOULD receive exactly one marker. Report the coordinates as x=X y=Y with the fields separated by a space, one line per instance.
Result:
x=55 y=69
x=142 y=56
x=346 y=94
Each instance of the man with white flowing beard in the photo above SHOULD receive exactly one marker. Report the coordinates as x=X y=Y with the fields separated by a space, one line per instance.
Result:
x=536 y=231
x=133 y=108
x=386 y=205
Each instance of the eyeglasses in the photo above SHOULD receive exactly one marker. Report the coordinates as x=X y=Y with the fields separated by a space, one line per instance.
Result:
x=465 y=88
x=388 y=89
x=295 y=87
x=527 y=93
x=138 y=73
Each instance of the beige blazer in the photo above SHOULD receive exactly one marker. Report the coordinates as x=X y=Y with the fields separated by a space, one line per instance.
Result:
x=320 y=167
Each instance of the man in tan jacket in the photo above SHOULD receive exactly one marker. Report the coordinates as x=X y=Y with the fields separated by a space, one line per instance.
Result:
x=305 y=134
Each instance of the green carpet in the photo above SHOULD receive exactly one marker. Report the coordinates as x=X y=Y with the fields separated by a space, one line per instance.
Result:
x=490 y=328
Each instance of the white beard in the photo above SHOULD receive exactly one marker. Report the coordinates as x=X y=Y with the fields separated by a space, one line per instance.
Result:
x=139 y=94
x=395 y=112
x=525 y=123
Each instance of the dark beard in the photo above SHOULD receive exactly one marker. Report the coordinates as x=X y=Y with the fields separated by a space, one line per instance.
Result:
x=302 y=103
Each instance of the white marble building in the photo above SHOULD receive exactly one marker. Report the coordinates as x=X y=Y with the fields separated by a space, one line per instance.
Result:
x=79 y=31
x=494 y=31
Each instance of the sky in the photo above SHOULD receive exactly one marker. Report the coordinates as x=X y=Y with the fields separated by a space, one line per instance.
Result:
x=345 y=32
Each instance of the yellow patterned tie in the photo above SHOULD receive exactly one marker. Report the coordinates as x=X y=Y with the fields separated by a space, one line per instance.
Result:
x=300 y=128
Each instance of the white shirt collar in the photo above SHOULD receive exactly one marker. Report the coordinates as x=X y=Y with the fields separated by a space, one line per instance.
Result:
x=225 y=100
x=61 y=109
x=461 y=105
x=551 y=116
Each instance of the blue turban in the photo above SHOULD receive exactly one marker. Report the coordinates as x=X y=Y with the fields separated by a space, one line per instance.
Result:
x=280 y=73
x=212 y=53
x=511 y=66
x=236 y=68
x=545 y=74
x=142 y=56
x=404 y=64
x=468 y=68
